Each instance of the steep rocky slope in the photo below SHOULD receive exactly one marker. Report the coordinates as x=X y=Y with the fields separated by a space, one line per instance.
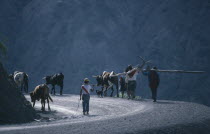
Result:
x=82 y=38
x=14 y=108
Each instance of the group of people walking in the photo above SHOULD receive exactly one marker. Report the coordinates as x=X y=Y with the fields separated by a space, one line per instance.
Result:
x=127 y=84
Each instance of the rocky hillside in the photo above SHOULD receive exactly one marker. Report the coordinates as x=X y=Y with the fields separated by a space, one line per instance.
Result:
x=82 y=38
x=14 y=108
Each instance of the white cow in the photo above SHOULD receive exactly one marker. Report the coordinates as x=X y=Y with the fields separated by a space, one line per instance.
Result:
x=21 y=79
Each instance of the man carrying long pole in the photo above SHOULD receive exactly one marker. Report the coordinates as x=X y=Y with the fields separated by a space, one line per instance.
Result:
x=153 y=79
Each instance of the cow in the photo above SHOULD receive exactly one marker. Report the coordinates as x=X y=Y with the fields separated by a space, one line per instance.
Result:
x=41 y=92
x=107 y=80
x=56 y=79
x=21 y=80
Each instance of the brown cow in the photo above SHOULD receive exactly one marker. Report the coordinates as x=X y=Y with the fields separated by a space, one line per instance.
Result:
x=41 y=92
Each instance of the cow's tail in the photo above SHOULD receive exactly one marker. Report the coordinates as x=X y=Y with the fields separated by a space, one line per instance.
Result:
x=50 y=98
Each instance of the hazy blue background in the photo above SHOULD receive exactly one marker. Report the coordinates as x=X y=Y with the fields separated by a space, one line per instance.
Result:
x=82 y=38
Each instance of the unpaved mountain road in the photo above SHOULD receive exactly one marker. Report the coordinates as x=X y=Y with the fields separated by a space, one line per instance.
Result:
x=116 y=115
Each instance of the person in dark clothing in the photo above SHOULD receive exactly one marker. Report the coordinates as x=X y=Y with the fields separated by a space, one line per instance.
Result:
x=122 y=86
x=154 y=80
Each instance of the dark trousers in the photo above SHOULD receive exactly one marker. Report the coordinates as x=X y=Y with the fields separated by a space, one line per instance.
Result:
x=123 y=89
x=131 y=89
x=154 y=93
x=85 y=102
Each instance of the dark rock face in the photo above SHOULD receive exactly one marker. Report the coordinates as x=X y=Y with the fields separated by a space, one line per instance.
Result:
x=82 y=38
x=14 y=108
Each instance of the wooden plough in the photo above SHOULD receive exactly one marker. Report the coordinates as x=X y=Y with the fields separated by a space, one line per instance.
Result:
x=140 y=68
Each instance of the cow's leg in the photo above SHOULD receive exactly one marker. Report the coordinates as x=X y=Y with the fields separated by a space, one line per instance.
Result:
x=53 y=89
x=44 y=104
x=48 y=103
x=34 y=103
x=128 y=90
x=102 y=94
x=26 y=86
x=41 y=104
x=118 y=90
x=112 y=88
x=105 y=92
x=61 y=89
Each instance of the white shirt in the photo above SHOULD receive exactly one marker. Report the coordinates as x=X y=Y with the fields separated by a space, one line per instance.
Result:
x=87 y=87
x=131 y=78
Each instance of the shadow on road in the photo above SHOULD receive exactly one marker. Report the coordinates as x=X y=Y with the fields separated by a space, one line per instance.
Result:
x=164 y=102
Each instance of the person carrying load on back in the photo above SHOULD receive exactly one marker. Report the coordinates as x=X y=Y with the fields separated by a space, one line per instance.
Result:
x=131 y=81
x=130 y=77
x=85 y=95
x=153 y=79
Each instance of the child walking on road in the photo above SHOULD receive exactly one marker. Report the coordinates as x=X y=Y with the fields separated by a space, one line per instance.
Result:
x=85 y=94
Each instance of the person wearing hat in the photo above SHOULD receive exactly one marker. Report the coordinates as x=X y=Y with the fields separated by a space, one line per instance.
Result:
x=154 y=80
x=85 y=95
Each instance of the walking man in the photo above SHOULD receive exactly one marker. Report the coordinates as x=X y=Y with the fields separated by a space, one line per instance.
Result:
x=85 y=94
x=131 y=81
x=154 y=81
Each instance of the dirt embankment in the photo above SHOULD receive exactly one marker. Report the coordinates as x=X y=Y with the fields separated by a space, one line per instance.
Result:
x=14 y=108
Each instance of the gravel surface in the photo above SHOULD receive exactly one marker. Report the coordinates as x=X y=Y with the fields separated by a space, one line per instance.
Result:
x=116 y=115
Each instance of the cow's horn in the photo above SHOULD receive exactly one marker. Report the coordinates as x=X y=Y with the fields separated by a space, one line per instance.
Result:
x=44 y=78
x=94 y=76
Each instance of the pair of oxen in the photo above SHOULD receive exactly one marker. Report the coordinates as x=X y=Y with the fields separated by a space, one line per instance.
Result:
x=108 y=79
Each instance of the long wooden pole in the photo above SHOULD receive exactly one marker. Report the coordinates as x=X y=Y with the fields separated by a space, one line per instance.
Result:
x=176 y=71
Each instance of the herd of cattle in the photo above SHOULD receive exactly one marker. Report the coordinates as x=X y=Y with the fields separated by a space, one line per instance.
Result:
x=107 y=80
x=40 y=91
